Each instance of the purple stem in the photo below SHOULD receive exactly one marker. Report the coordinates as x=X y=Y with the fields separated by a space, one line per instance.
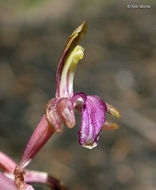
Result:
x=39 y=137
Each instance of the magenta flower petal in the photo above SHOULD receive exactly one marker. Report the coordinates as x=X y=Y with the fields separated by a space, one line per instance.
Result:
x=93 y=118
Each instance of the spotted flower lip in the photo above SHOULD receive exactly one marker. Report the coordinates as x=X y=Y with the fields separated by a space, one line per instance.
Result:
x=60 y=109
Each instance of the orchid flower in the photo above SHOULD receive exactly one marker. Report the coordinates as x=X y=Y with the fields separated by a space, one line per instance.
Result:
x=14 y=178
x=61 y=109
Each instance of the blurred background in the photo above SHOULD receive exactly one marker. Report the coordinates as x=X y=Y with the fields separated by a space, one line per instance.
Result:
x=119 y=66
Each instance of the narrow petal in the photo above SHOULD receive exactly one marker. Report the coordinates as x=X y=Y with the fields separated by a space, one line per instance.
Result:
x=6 y=183
x=113 y=111
x=39 y=137
x=110 y=126
x=43 y=178
x=71 y=44
x=6 y=163
x=93 y=118
x=65 y=108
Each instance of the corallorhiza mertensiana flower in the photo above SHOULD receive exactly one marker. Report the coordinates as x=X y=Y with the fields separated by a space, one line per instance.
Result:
x=60 y=109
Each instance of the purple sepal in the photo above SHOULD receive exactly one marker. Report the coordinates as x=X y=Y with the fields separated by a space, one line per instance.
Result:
x=40 y=136
x=93 y=118
x=74 y=38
